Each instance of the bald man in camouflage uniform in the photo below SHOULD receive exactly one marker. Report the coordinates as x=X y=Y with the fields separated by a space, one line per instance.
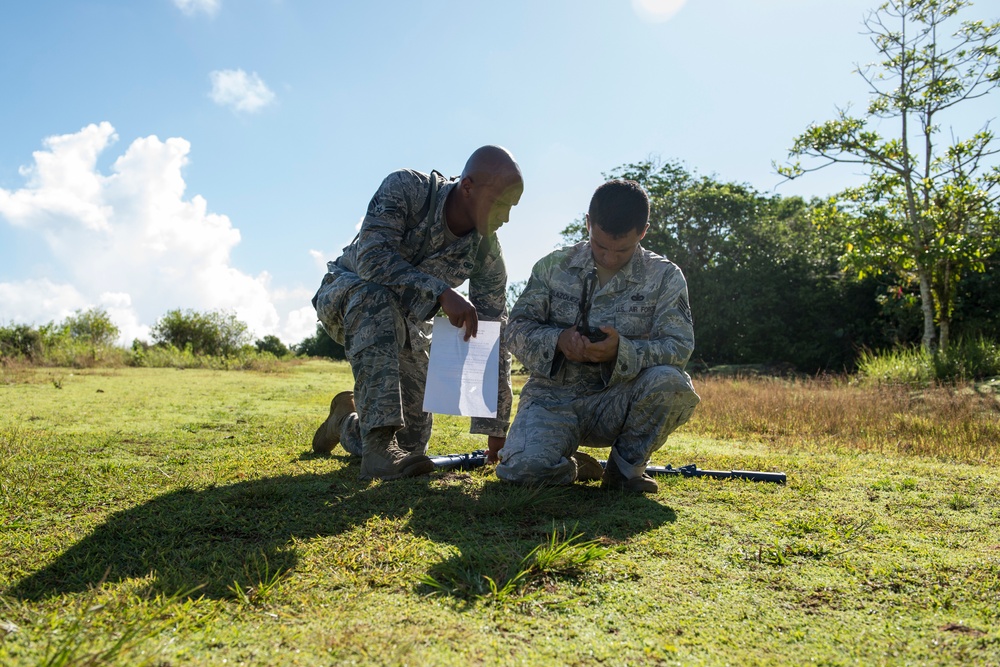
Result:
x=628 y=391
x=378 y=300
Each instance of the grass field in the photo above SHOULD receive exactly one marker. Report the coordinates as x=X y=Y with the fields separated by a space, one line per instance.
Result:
x=167 y=517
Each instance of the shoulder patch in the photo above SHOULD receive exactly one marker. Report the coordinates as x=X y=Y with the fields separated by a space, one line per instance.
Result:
x=685 y=309
x=376 y=208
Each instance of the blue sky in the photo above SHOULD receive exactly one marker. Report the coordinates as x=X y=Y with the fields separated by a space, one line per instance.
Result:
x=214 y=154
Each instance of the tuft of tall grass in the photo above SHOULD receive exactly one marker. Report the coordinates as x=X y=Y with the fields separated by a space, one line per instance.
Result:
x=78 y=354
x=14 y=370
x=171 y=357
x=108 y=627
x=257 y=568
x=965 y=360
x=831 y=414
x=561 y=556
x=69 y=353
x=907 y=366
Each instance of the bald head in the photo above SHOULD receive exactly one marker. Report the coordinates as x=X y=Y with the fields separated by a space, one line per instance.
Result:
x=489 y=164
x=489 y=187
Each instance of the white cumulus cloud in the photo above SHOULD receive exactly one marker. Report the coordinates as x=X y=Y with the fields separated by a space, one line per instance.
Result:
x=38 y=301
x=239 y=90
x=192 y=7
x=132 y=242
x=62 y=184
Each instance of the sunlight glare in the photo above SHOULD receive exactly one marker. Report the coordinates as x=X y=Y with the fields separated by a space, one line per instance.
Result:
x=657 y=10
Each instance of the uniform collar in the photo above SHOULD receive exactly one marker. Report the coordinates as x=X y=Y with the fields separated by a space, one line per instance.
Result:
x=438 y=223
x=633 y=272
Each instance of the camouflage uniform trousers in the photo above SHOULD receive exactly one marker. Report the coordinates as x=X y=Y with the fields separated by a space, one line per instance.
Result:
x=634 y=418
x=389 y=375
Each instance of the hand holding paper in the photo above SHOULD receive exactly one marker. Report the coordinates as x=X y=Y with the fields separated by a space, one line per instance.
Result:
x=462 y=376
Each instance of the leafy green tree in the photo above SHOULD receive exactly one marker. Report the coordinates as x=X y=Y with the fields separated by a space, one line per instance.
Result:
x=92 y=326
x=320 y=345
x=928 y=209
x=214 y=333
x=271 y=343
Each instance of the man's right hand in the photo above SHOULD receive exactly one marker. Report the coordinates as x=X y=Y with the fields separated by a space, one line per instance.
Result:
x=460 y=312
x=580 y=349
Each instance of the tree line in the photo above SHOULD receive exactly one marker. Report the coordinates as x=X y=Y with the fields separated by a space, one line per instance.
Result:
x=179 y=338
x=909 y=258
x=768 y=282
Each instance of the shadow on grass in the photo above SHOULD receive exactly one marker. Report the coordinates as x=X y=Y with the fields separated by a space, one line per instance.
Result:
x=512 y=539
x=244 y=533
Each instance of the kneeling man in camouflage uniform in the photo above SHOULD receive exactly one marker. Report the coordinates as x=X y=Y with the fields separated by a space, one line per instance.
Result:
x=423 y=235
x=627 y=391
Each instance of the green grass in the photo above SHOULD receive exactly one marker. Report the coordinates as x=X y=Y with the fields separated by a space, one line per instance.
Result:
x=171 y=517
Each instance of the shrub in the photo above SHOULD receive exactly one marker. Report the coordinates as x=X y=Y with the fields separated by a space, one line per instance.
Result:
x=20 y=341
x=85 y=339
x=965 y=360
x=968 y=360
x=272 y=344
x=211 y=333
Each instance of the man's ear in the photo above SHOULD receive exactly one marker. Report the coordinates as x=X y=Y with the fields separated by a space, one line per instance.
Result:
x=465 y=185
x=586 y=221
x=644 y=230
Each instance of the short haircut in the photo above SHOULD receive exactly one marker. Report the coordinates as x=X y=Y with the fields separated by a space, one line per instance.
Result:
x=619 y=207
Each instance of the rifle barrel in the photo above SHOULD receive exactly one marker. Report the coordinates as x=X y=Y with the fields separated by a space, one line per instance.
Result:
x=693 y=471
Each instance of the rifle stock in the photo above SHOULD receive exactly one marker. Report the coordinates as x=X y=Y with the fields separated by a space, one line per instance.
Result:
x=470 y=461
x=477 y=459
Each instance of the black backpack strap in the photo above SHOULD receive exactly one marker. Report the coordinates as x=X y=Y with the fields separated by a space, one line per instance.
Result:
x=429 y=208
x=484 y=249
x=429 y=203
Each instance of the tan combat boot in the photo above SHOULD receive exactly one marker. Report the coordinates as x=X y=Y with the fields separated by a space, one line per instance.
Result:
x=327 y=436
x=588 y=469
x=383 y=458
x=614 y=480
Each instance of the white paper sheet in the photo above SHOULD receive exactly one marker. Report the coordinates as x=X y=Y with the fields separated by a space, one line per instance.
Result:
x=462 y=377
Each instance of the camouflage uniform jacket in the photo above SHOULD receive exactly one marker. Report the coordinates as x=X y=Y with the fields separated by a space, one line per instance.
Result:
x=646 y=302
x=413 y=259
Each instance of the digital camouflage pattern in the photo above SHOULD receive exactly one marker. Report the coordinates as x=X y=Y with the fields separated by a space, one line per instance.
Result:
x=379 y=296
x=630 y=405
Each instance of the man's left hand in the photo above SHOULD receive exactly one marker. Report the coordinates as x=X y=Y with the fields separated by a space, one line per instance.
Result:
x=605 y=350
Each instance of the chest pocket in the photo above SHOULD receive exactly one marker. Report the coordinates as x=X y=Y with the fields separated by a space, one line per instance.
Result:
x=565 y=309
x=634 y=316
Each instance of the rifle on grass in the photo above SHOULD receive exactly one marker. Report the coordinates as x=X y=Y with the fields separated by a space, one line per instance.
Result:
x=477 y=459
